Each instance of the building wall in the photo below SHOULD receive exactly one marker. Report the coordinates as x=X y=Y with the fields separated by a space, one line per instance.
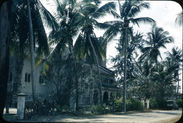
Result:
x=87 y=86
x=41 y=89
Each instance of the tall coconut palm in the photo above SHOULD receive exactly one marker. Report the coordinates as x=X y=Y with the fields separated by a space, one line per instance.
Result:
x=76 y=18
x=128 y=11
x=32 y=50
x=157 y=39
x=90 y=12
x=21 y=19
x=63 y=36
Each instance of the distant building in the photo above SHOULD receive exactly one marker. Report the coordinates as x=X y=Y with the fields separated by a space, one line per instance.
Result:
x=89 y=92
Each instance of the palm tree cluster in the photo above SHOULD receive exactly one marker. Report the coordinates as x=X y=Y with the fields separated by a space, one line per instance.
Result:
x=137 y=67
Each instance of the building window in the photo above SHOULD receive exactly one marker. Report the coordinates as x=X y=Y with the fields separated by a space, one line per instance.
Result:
x=41 y=80
x=27 y=77
x=10 y=77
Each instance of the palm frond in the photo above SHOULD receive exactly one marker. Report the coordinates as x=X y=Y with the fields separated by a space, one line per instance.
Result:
x=115 y=14
x=142 y=19
x=136 y=7
x=101 y=25
x=106 y=8
x=49 y=19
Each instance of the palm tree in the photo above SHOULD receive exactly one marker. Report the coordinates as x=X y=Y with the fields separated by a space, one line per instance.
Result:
x=128 y=12
x=143 y=79
x=32 y=50
x=179 y=18
x=77 y=17
x=175 y=58
x=19 y=31
x=157 y=39
x=4 y=54
x=63 y=37
x=87 y=38
x=163 y=76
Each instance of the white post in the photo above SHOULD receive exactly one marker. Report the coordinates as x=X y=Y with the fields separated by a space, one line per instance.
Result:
x=147 y=103
x=20 y=105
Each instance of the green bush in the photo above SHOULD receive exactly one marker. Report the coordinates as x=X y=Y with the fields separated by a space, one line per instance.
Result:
x=158 y=104
x=118 y=105
x=133 y=104
x=179 y=103
x=153 y=104
x=161 y=103
x=98 y=109
x=65 y=108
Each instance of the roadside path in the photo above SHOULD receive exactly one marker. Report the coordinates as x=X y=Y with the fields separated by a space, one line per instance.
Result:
x=156 y=116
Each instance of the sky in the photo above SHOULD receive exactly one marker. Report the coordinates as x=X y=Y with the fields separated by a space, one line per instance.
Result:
x=163 y=12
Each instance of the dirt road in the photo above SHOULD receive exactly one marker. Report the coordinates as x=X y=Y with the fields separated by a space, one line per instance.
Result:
x=156 y=116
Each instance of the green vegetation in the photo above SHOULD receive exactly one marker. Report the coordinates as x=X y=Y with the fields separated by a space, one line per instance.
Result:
x=179 y=103
x=139 y=68
x=98 y=109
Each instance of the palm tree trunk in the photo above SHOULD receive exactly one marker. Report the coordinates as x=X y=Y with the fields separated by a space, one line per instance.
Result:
x=125 y=70
x=32 y=50
x=125 y=63
x=75 y=77
x=4 y=54
x=100 y=83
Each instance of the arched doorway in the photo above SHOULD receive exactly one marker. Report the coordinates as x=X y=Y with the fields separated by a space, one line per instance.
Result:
x=95 y=97
x=105 y=97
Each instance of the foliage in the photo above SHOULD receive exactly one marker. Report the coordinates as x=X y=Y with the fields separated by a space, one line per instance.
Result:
x=59 y=78
x=98 y=109
x=118 y=104
x=156 y=39
x=153 y=104
x=39 y=107
x=133 y=104
x=64 y=108
x=157 y=103
x=179 y=103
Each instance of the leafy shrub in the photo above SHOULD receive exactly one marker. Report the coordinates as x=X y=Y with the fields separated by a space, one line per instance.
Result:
x=39 y=107
x=58 y=108
x=65 y=108
x=132 y=104
x=158 y=104
x=179 y=103
x=161 y=103
x=118 y=105
x=98 y=109
x=153 y=104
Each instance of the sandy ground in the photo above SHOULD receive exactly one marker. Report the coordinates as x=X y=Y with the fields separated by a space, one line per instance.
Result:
x=156 y=116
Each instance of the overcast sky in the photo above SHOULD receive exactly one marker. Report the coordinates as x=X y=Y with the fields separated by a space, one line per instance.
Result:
x=163 y=12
